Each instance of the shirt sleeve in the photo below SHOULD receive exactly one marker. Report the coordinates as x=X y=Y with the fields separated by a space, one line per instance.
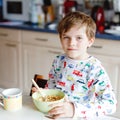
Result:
x=103 y=100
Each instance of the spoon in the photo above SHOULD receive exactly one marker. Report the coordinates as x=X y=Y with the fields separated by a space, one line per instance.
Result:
x=42 y=95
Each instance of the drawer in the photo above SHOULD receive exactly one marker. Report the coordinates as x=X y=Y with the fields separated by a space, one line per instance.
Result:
x=105 y=47
x=10 y=34
x=41 y=38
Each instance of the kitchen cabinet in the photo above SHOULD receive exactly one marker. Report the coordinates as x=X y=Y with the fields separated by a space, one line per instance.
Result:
x=10 y=58
x=107 y=52
x=39 y=50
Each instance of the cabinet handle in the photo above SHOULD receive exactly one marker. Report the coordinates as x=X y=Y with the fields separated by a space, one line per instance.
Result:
x=41 y=39
x=97 y=46
x=10 y=45
x=3 y=34
x=54 y=52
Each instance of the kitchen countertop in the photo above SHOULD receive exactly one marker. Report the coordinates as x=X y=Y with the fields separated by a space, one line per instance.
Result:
x=29 y=112
x=45 y=28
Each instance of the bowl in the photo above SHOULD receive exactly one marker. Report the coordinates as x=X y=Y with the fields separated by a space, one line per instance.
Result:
x=43 y=105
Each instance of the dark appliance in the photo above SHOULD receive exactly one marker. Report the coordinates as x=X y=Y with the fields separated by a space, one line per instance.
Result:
x=16 y=10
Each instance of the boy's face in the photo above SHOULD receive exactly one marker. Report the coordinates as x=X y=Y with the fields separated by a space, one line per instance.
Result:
x=75 y=43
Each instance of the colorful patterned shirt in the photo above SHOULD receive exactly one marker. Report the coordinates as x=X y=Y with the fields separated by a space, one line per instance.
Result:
x=86 y=84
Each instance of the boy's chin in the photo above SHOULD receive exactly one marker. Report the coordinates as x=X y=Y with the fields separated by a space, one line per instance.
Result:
x=73 y=57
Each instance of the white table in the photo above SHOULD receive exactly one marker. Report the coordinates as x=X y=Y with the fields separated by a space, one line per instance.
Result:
x=29 y=112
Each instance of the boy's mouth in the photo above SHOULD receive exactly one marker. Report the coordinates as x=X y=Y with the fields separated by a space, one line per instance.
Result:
x=71 y=49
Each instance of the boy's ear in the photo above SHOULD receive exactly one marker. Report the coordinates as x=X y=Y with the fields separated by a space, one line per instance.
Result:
x=91 y=41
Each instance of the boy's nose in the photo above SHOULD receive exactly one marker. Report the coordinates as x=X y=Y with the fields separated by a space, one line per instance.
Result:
x=72 y=41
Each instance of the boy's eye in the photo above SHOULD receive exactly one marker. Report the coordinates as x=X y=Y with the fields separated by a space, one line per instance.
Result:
x=79 y=38
x=65 y=38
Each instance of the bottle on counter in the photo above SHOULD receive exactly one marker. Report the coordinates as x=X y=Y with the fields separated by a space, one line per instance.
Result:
x=61 y=12
x=36 y=12
x=41 y=16
x=48 y=11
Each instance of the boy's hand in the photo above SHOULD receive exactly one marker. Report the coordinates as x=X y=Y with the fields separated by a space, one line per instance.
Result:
x=34 y=89
x=62 y=109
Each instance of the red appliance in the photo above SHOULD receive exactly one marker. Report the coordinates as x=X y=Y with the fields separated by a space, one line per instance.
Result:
x=69 y=4
x=98 y=15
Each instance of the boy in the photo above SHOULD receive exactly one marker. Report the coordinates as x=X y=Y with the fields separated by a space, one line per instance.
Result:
x=79 y=75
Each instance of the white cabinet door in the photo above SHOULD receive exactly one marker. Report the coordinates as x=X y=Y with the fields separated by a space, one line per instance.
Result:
x=9 y=64
x=36 y=60
x=10 y=58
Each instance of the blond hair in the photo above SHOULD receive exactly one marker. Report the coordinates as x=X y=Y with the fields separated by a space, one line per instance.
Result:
x=80 y=19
